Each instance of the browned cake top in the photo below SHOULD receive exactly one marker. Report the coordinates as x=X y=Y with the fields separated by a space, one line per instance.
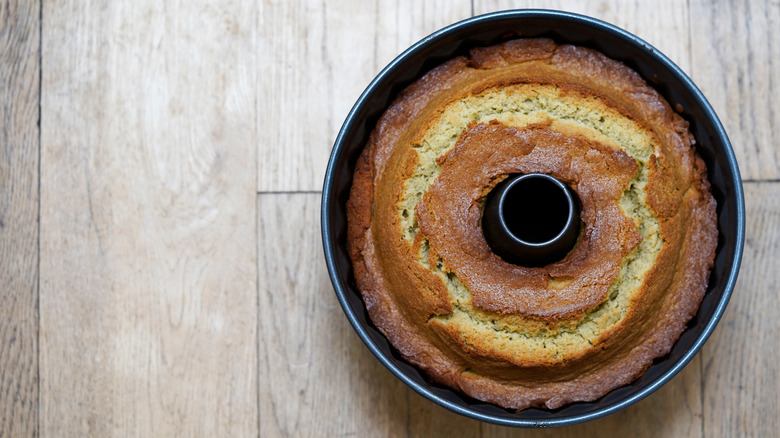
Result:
x=514 y=335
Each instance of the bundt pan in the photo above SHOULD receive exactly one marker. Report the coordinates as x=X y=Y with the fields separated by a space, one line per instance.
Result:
x=566 y=28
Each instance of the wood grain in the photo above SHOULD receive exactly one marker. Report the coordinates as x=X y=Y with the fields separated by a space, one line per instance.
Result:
x=19 y=145
x=318 y=57
x=741 y=359
x=148 y=257
x=736 y=63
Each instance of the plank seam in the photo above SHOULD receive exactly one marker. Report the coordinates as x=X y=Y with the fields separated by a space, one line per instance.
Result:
x=38 y=258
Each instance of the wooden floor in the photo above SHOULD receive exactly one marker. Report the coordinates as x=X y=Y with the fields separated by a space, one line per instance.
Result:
x=161 y=271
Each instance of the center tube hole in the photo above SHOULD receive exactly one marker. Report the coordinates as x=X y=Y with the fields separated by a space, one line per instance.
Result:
x=535 y=210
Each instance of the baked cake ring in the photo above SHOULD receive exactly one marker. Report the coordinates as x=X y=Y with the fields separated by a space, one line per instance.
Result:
x=531 y=336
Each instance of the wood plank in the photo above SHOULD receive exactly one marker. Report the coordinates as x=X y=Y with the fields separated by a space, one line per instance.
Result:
x=323 y=55
x=316 y=376
x=664 y=24
x=741 y=359
x=736 y=64
x=148 y=274
x=19 y=147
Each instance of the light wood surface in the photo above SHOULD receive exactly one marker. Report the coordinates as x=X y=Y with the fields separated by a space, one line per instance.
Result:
x=318 y=58
x=160 y=254
x=736 y=63
x=148 y=274
x=19 y=98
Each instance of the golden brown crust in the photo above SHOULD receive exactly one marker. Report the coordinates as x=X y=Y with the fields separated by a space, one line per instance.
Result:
x=426 y=273
x=597 y=173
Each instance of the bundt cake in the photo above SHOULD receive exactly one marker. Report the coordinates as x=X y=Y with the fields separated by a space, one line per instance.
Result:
x=522 y=336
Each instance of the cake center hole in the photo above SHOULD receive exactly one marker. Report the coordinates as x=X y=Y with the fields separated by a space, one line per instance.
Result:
x=535 y=210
